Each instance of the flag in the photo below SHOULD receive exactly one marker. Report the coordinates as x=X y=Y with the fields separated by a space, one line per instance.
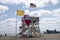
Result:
x=27 y=22
x=32 y=5
x=20 y=12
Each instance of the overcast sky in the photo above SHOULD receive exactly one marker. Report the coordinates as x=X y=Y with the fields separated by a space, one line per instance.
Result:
x=47 y=10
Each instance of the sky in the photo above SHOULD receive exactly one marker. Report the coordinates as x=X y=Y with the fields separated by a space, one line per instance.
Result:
x=48 y=12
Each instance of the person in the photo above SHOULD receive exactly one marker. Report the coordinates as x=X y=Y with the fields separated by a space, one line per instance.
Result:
x=1 y=37
x=5 y=34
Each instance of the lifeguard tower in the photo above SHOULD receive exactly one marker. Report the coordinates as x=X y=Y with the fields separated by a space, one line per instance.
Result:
x=30 y=27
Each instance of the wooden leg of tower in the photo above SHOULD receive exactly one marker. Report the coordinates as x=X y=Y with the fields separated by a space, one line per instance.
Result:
x=33 y=32
x=39 y=30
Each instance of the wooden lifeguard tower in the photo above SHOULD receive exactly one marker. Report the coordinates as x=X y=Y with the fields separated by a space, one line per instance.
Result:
x=30 y=27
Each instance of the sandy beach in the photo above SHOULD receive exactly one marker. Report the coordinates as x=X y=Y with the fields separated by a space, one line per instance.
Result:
x=43 y=37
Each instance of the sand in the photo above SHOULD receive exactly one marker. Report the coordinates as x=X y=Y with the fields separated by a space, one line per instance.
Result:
x=43 y=37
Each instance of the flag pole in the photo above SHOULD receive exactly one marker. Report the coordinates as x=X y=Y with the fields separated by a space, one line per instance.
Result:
x=16 y=25
x=39 y=30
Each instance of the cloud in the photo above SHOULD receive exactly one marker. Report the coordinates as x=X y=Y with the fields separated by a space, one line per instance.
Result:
x=2 y=16
x=39 y=13
x=49 y=20
x=9 y=25
x=44 y=13
x=54 y=2
x=56 y=12
x=39 y=3
x=3 y=8
x=50 y=23
x=27 y=12
x=11 y=1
